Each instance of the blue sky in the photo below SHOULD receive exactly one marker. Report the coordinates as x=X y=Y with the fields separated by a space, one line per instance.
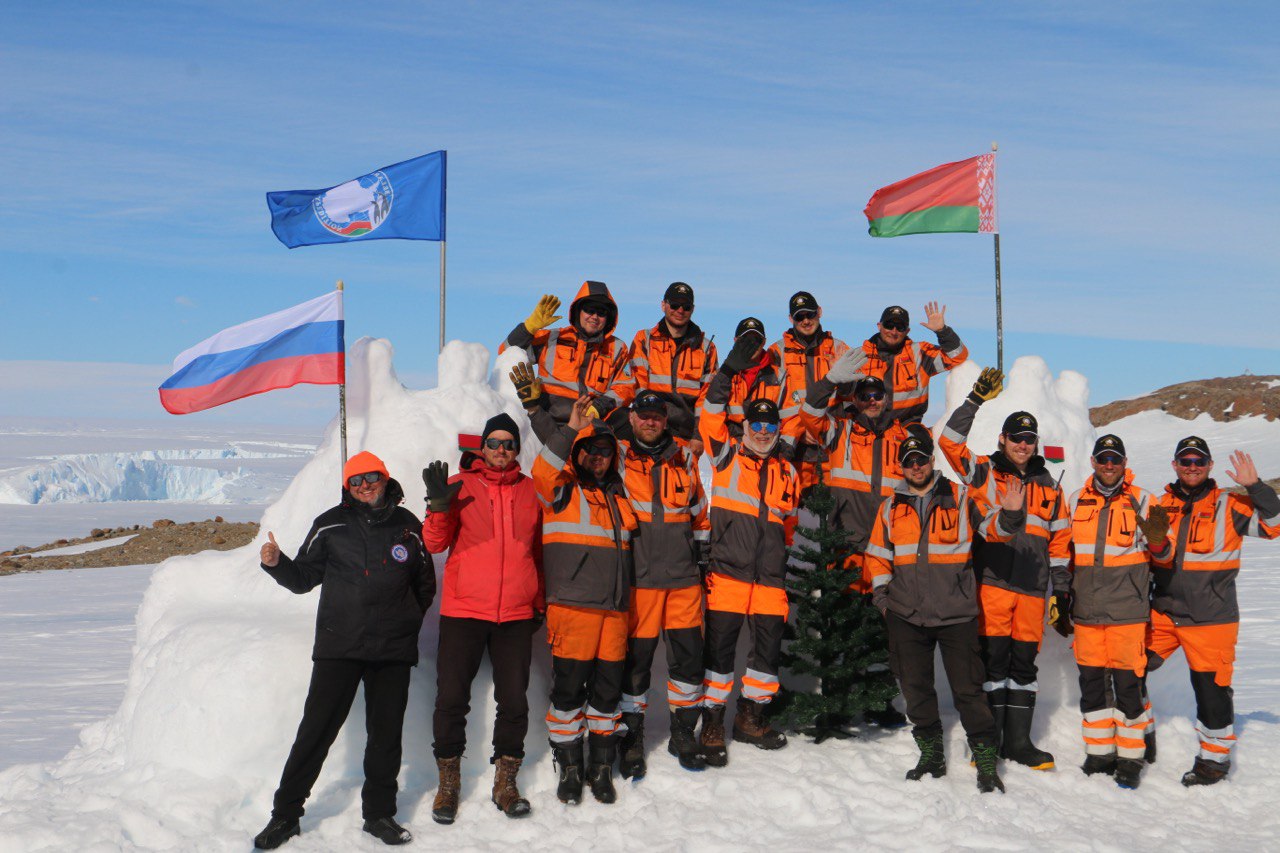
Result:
x=732 y=146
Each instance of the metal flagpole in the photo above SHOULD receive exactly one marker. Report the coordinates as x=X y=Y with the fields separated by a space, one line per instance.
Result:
x=342 y=387
x=442 y=295
x=999 y=303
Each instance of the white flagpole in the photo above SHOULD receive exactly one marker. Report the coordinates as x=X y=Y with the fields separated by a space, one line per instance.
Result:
x=342 y=387
x=442 y=295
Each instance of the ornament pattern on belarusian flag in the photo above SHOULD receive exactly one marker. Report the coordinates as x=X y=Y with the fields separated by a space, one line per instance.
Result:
x=987 y=194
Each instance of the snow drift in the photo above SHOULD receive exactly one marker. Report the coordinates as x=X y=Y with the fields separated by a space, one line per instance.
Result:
x=221 y=664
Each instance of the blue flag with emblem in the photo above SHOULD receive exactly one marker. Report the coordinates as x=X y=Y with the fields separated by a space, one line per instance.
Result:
x=401 y=202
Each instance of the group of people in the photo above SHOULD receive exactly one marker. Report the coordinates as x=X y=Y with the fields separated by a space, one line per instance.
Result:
x=612 y=542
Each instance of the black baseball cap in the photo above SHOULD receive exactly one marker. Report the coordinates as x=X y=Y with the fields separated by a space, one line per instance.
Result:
x=1108 y=444
x=649 y=401
x=869 y=383
x=678 y=291
x=749 y=324
x=915 y=444
x=761 y=410
x=801 y=300
x=1019 y=423
x=1193 y=444
x=896 y=314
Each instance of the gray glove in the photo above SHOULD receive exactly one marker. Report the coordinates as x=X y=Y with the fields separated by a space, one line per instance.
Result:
x=847 y=367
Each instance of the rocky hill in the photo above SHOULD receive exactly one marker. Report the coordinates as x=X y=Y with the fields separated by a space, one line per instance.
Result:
x=1223 y=399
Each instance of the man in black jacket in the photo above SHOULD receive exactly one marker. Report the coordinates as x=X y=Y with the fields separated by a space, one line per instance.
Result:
x=376 y=582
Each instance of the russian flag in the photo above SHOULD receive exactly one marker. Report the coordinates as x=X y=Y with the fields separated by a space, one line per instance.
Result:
x=300 y=344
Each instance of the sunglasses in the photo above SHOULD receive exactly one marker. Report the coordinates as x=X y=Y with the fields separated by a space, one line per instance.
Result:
x=895 y=326
x=870 y=396
x=1192 y=462
x=916 y=460
x=680 y=306
x=594 y=311
x=370 y=478
x=801 y=316
x=1109 y=459
x=599 y=448
x=763 y=426
x=503 y=443
x=1021 y=438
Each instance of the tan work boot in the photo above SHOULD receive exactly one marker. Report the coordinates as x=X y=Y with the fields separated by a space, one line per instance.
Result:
x=712 y=740
x=506 y=796
x=445 y=807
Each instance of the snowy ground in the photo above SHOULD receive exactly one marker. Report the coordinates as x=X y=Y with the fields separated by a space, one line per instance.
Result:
x=218 y=668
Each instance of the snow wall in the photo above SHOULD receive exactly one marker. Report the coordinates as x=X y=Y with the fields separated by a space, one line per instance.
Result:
x=222 y=662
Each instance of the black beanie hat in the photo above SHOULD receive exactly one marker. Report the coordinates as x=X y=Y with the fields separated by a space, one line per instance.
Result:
x=504 y=422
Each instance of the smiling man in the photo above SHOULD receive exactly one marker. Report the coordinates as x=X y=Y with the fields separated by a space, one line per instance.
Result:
x=906 y=366
x=1194 y=602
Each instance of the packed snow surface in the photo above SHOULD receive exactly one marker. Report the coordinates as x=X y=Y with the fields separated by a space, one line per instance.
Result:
x=221 y=662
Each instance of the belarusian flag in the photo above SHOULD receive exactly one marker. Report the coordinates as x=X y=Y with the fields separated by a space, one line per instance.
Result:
x=951 y=197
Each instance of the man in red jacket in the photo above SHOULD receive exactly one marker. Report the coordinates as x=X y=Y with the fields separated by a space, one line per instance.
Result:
x=489 y=519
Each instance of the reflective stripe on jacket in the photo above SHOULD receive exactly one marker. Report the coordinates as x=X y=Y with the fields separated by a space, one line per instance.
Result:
x=1195 y=581
x=586 y=526
x=919 y=558
x=1110 y=572
x=753 y=500
x=1043 y=547
x=666 y=495
x=906 y=372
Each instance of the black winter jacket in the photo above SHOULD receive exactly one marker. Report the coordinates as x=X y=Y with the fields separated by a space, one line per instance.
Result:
x=376 y=580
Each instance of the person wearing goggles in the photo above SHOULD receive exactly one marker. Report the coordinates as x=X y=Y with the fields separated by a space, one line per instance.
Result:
x=1193 y=603
x=367 y=557
x=906 y=366
x=487 y=516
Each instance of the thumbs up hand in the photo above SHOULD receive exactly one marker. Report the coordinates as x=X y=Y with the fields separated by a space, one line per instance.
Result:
x=270 y=553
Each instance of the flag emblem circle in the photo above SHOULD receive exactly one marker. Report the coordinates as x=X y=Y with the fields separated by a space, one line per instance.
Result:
x=399 y=553
x=357 y=207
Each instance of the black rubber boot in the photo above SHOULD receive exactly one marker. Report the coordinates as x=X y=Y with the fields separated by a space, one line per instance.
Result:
x=1149 y=736
x=568 y=759
x=631 y=762
x=750 y=726
x=889 y=718
x=602 y=750
x=711 y=740
x=1129 y=772
x=277 y=831
x=998 y=699
x=1206 y=773
x=683 y=744
x=984 y=758
x=1094 y=764
x=1017 y=732
x=933 y=756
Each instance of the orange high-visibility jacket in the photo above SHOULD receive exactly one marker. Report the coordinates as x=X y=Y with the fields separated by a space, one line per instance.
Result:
x=907 y=371
x=753 y=500
x=1195 y=580
x=670 y=506
x=571 y=365
x=587 y=526
x=1043 y=546
x=761 y=380
x=1110 y=570
x=678 y=368
x=862 y=467
x=919 y=556
x=802 y=365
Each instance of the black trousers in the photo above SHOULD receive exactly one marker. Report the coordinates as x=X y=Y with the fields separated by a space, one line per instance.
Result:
x=329 y=698
x=1007 y=658
x=1102 y=688
x=463 y=643
x=684 y=659
x=911 y=658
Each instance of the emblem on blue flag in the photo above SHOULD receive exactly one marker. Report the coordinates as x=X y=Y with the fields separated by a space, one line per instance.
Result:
x=357 y=207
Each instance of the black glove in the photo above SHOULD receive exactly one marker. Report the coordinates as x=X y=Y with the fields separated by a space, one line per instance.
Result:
x=704 y=558
x=1155 y=527
x=528 y=385
x=743 y=353
x=440 y=492
x=1060 y=612
x=989 y=385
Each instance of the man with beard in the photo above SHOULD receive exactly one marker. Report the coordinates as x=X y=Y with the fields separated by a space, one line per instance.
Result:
x=906 y=366
x=1193 y=605
x=666 y=495
x=754 y=497
x=1014 y=575
x=376 y=583
x=757 y=378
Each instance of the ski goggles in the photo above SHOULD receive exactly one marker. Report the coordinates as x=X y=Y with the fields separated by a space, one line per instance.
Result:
x=500 y=443
x=763 y=426
x=370 y=478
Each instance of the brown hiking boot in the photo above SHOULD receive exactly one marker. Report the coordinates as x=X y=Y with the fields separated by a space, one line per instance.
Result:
x=750 y=726
x=713 y=748
x=445 y=807
x=506 y=796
